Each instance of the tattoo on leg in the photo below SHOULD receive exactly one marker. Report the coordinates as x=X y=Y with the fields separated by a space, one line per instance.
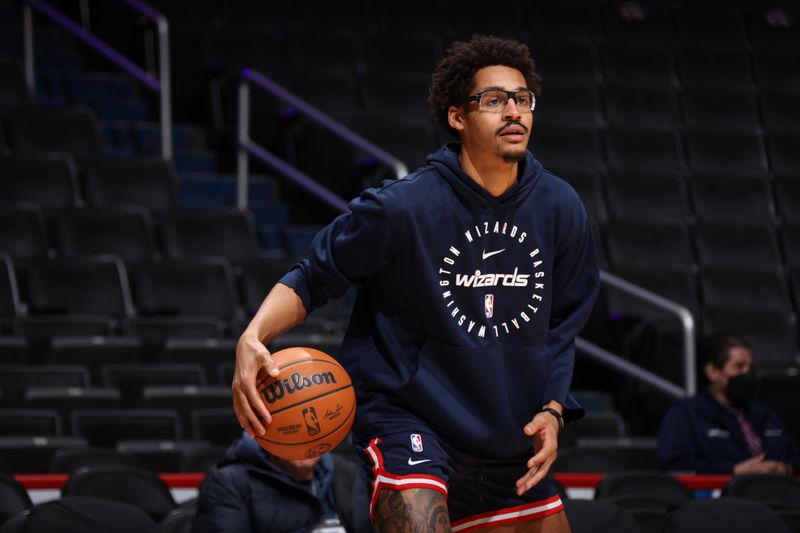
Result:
x=412 y=511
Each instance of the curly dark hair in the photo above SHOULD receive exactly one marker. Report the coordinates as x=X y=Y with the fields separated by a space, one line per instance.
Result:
x=454 y=76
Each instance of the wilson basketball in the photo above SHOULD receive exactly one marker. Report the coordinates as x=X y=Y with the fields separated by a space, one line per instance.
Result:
x=312 y=403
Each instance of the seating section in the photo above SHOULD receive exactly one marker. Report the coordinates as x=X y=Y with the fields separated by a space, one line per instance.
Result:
x=126 y=279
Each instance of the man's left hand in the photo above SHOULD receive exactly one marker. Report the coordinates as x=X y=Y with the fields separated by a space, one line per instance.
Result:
x=544 y=430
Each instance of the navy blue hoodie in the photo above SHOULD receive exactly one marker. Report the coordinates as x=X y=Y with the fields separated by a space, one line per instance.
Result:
x=468 y=304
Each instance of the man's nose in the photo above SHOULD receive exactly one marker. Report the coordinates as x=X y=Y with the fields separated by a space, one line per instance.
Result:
x=511 y=111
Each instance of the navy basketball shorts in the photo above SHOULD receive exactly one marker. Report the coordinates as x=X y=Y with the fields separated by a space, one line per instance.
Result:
x=480 y=492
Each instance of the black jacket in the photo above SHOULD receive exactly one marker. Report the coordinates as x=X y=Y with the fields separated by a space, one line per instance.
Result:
x=247 y=493
x=700 y=435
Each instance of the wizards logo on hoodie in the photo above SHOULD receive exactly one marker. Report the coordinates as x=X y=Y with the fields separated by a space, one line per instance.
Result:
x=494 y=264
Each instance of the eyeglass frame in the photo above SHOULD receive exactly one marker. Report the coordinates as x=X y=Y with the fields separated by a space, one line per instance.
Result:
x=509 y=96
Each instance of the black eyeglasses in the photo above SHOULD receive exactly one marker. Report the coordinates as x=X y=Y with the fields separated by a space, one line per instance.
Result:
x=495 y=100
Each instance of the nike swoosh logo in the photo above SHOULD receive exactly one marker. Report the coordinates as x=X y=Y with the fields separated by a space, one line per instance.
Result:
x=412 y=463
x=490 y=254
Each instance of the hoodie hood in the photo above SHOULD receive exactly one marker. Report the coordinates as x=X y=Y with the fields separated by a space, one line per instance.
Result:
x=447 y=163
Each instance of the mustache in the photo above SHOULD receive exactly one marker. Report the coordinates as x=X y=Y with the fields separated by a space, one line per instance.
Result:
x=512 y=123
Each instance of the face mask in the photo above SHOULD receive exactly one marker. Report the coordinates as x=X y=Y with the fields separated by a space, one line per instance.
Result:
x=741 y=389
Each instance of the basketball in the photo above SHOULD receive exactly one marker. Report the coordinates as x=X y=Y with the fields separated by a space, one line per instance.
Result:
x=312 y=403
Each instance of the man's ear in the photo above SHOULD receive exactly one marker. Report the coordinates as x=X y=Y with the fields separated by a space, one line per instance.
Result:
x=455 y=117
x=710 y=371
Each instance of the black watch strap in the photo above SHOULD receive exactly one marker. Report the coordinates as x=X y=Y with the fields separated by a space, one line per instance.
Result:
x=555 y=414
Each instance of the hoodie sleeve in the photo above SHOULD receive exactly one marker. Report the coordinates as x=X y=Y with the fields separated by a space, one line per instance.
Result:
x=576 y=282
x=344 y=254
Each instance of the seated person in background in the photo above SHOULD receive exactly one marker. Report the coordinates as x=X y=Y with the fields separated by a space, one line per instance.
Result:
x=722 y=430
x=253 y=491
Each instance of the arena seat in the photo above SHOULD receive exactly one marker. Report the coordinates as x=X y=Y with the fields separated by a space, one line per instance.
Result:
x=772 y=335
x=218 y=426
x=745 y=288
x=399 y=56
x=69 y=460
x=779 y=492
x=733 y=198
x=13 y=498
x=131 y=379
x=568 y=150
x=783 y=156
x=142 y=181
x=723 y=110
x=633 y=107
x=185 y=398
x=781 y=110
x=594 y=516
x=159 y=455
x=23 y=235
x=32 y=455
x=126 y=232
x=791 y=243
x=93 y=352
x=202 y=459
x=47 y=180
x=587 y=460
x=106 y=427
x=193 y=233
x=178 y=520
x=723 y=515
x=13 y=89
x=726 y=153
x=644 y=151
x=570 y=63
x=30 y=422
x=777 y=69
x=643 y=483
x=744 y=244
x=710 y=27
x=207 y=352
x=639 y=66
x=709 y=69
x=15 y=379
x=650 y=244
x=197 y=292
x=787 y=191
x=576 y=105
x=64 y=400
x=122 y=484
x=648 y=196
x=88 y=515
x=70 y=131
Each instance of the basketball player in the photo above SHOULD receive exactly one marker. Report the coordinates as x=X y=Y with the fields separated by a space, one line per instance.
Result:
x=475 y=274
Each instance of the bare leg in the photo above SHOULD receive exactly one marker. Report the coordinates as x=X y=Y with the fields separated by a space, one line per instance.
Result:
x=412 y=511
x=555 y=523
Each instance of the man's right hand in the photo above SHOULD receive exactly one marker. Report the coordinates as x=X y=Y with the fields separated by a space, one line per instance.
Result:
x=252 y=357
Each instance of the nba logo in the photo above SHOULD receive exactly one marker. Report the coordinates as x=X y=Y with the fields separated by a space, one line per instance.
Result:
x=488 y=305
x=311 y=420
x=416 y=442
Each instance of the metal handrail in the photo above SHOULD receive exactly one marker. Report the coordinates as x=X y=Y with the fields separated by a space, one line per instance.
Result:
x=246 y=146
x=684 y=316
x=630 y=369
x=161 y=86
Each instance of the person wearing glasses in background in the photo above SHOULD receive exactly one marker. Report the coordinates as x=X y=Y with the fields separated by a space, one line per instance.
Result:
x=475 y=274
x=723 y=430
